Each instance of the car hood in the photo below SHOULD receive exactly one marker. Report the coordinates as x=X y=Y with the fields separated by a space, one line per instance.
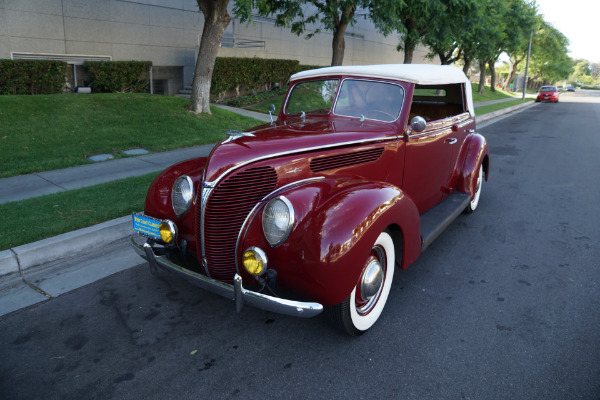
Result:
x=294 y=135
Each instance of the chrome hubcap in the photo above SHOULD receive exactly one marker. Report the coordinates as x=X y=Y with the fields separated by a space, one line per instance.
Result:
x=371 y=281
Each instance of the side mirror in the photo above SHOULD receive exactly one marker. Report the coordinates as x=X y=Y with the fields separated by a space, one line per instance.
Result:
x=418 y=124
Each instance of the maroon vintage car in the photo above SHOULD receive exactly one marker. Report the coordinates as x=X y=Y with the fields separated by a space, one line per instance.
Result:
x=364 y=167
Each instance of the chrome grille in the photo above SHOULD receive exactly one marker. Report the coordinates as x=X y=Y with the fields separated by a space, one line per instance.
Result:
x=226 y=210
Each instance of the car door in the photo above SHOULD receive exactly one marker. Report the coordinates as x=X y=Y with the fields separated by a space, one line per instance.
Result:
x=427 y=165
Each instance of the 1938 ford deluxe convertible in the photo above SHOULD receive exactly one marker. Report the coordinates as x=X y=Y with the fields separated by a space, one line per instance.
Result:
x=364 y=167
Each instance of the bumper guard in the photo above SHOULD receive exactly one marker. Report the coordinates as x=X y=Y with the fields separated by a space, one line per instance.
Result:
x=234 y=292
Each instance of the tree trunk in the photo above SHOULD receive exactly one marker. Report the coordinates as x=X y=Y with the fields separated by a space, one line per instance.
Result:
x=467 y=65
x=492 y=66
x=338 y=45
x=482 y=64
x=443 y=59
x=409 y=51
x=216 y=20
x=511 y=75
x=512 y=71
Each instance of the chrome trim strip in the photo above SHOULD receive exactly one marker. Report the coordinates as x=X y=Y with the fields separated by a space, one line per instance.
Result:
x=432 y=132
x=204 y=195
x=440 y=126
x=234 y=292
x=286 y=153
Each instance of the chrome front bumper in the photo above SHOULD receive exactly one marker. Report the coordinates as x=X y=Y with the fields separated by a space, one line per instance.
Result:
x=234 y=292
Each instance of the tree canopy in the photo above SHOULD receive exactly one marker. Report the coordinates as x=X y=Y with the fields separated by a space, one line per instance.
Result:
x=329 y=15
x=453 y=30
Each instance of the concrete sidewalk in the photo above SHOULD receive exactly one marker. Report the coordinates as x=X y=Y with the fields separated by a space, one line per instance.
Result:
x=41 y=270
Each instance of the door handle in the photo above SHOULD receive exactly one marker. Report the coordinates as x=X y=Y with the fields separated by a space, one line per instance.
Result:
x=451 y=140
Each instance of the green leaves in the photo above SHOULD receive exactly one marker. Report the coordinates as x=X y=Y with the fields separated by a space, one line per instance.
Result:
x=32 y=76
x=119 y=76
x=250 y=73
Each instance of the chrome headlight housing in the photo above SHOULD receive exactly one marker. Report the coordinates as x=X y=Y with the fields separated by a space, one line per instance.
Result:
x=277 y=220
x=182 y=195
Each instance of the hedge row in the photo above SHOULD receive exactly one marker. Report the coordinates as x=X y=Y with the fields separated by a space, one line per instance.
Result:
x=43 y=77
x=119 y=76
x=252 y=73
x=32 y=76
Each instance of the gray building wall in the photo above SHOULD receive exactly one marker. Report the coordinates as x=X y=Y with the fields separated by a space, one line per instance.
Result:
x=167 y=33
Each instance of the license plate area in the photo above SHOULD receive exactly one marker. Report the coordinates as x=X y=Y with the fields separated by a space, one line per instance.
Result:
x=146 y=225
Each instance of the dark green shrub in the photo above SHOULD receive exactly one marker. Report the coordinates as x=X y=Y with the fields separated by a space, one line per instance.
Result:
x=304 y=67
x=119 y=76
x=32 y=76
x=250 y=73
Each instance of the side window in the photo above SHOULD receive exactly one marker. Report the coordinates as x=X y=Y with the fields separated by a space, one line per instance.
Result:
x=434 y=102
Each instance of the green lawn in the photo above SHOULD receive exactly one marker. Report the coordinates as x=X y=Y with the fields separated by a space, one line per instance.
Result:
x=488 y=94
x=35 y=219
x=46 y=132
x=498 y=106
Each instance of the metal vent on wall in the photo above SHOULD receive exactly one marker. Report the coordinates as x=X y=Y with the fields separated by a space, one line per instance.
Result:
x=68 y=58
x=345 y=160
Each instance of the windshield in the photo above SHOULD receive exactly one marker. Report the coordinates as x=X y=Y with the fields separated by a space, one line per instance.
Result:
x=548 y=89
x=369 y=99
x=314 y=97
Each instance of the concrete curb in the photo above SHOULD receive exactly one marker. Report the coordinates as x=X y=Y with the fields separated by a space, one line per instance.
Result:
x=489 y=116
x=66 y=245
x=8 y=263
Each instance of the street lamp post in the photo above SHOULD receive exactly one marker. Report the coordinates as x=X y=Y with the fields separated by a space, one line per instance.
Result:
x=527 y=65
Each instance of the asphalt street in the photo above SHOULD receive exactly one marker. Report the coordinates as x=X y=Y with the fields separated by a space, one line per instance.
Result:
x=503 y=305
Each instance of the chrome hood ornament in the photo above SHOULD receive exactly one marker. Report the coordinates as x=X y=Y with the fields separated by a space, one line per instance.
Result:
x=235 y=134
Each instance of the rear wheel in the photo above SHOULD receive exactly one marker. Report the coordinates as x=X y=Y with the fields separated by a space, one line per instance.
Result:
x=362 y=308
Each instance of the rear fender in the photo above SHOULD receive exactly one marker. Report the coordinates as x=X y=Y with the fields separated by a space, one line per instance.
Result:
x=336 y=225
x=477 y=155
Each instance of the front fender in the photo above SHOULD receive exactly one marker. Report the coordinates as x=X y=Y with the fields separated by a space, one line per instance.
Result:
x=337 y=223
x=477 y=155
x=158 y=198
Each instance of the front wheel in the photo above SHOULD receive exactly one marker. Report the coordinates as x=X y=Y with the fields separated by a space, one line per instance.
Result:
x=475 y=201
x=362 y=308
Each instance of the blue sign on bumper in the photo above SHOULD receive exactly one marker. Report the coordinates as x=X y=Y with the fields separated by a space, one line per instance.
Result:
x=146 y=225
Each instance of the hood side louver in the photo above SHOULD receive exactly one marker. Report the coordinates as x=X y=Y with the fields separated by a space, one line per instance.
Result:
x=345 y=160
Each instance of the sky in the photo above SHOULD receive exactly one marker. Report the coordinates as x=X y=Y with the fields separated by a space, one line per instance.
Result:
x=578 y=20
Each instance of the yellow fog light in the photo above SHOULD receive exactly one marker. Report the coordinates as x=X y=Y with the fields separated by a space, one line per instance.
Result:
x=168 y=231
x=255 y=261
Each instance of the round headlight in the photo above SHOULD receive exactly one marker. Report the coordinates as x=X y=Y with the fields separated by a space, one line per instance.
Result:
x=277 y=220
x=182 y=195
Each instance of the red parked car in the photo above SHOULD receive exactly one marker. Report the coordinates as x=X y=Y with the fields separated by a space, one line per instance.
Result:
x=548 y=93
x=364 y=167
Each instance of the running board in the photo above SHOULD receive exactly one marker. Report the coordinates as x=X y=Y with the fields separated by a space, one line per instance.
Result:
x=437 y=219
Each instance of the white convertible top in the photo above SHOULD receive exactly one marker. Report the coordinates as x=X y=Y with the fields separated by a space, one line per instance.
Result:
x=420 y=74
